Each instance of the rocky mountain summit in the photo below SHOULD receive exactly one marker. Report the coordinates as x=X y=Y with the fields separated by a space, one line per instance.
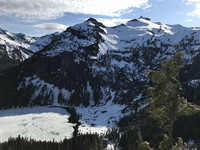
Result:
x=91 y=64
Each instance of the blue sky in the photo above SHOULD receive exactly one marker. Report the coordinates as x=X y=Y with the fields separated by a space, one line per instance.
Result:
x=40 y=17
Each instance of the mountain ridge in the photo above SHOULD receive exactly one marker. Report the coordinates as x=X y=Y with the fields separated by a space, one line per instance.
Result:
x=90 y=63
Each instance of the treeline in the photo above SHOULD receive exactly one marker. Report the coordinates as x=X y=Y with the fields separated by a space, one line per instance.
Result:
x=81 y=142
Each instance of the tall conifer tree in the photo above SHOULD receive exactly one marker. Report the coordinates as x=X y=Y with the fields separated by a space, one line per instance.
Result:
x=165 y=102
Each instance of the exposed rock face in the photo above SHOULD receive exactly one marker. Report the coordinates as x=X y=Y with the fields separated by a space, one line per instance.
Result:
x=90 y=63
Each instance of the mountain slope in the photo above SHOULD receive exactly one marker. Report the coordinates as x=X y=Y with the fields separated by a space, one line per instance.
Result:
x=15 y=48
x=90 y=64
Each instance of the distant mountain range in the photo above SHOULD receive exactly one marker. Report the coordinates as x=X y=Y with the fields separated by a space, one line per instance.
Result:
x=90 y=64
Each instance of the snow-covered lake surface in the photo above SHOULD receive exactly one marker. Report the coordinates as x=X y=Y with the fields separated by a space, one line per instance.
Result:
x=51 y=123
x=40 y=123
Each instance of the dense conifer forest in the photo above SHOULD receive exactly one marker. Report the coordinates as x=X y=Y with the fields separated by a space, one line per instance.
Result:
x=81 y=142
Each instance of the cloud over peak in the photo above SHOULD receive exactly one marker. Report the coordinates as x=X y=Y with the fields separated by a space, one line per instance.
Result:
x=32 y=10
x=51 y=26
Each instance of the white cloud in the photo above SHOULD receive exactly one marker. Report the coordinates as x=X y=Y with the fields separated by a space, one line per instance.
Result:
x=146 y=6
x=158 y=0
x=52 y=26
x=30 y=10
x=196 y=4
x=110 y=22
x=188 y=20
x=192 y=1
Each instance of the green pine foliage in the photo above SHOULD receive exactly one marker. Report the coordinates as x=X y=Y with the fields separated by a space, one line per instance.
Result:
x=180 y=145
x=128 y=140
x=74 y=116
x=113 y=136
x=144 y=146
x=165 y=102
x=187 y=127
x=150 y=131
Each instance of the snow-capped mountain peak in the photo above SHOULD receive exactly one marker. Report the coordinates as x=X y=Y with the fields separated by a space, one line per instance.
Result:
x=97 y=70
x=89 y=61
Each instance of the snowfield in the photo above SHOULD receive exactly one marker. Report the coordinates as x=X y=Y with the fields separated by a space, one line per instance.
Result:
x=40 y=123
x=51 y=123
x=98 y=119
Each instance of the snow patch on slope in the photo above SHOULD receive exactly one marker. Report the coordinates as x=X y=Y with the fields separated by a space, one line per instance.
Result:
x=98 y=119
x=39 y=85
x=108 y=44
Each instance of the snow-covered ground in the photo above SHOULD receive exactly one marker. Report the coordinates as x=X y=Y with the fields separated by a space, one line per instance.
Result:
x=51 y=123
x=40 y=123
x=98 y=119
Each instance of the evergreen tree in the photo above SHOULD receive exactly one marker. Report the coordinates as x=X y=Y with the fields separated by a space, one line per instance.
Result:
x=165 y=102
x=136 y=118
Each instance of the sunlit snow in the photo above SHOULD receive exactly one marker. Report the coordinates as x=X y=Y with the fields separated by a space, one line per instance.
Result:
x=51 y=123
x=40 y=123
